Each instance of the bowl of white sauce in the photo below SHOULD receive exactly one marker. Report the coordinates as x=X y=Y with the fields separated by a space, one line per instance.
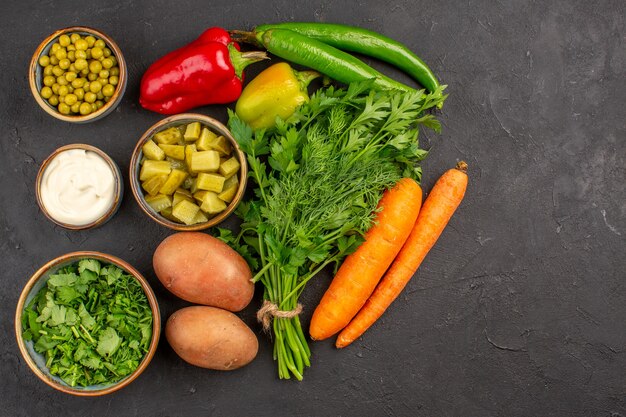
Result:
x=79 y=187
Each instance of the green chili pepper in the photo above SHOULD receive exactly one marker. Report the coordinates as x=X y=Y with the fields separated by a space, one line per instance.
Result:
x=365 y=42
x=324 y=58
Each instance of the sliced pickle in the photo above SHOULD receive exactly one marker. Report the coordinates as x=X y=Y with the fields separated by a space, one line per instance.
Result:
x=178 y=197
x=199 y=196
x=190 y=149
x=185 y=212
x=154 y=184
x=174 y=151
x=205 y=161
x=167 y=213
x=176 y=164
x=152 y=151
x=206 y=138
x=229 y=193
x=159 y=202
x=230 y=167
x=211 y=204
x=200 y=218
x=210 y=182
x=192 y=132
x=175 y=179
x=169 y=136
x=151 y=169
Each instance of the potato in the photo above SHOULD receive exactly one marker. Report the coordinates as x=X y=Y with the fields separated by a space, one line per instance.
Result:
x=203 y=270
x=211 y=338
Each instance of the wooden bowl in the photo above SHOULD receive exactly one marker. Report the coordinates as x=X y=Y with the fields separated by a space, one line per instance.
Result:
x=177 y=120
x=36 y=361
x=119 y=187
x=35 y=75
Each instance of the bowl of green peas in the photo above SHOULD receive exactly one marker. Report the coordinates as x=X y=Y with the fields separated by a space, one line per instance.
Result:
x=78 y=74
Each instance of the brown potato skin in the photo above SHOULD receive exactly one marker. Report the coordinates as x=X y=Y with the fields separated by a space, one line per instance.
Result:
x=211 y=338
x=203 y=270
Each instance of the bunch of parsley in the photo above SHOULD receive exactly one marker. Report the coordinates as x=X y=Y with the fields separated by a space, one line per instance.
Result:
x=319 y=176
x=92 y=323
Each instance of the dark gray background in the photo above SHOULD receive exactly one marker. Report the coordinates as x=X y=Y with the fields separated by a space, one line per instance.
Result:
x=519 y=310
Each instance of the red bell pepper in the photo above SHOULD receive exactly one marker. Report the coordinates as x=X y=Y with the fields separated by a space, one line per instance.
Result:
x=209 y=70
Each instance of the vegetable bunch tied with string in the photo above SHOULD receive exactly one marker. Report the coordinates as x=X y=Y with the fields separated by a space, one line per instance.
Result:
x=319 y=176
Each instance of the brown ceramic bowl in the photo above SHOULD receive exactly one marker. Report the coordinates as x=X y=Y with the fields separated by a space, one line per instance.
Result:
x=181 y=119
x=36 y=361
x=35 y=75
x=119 y=188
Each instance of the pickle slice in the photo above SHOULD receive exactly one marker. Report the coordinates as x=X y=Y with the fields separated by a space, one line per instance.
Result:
x=192 y=132
x=152 y=151
x=151 y=168
x=200 y=218
x=199 y=196
x=179 y=196
x=222 y=145
x=159 y=202
x=185 y=211
x=167 y=213
x=210 y=182
x=211 y=204
x=230 y=167
x=229 y=193
x=175 y=179
x=174 y=151
x=206 y=138
x=154 y=184
x=169 y=136
x=190 y=149
x=205 y=161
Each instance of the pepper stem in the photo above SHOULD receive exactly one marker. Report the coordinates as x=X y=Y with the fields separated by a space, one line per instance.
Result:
x=305 y=77
x=241 y=60
x=243 y=36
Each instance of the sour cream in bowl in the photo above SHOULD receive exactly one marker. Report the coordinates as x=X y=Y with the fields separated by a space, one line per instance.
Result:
x=79 y=187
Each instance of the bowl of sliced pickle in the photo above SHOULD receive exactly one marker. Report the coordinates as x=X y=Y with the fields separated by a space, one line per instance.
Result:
x=187 y=172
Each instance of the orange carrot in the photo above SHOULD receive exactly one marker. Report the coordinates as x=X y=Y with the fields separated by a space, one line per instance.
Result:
x=438 y=208
x=360 y=272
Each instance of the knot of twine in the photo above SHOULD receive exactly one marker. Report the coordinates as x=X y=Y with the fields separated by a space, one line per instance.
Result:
x=270 y=310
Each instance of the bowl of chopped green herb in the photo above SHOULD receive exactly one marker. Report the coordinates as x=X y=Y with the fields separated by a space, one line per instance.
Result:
x=87 y=323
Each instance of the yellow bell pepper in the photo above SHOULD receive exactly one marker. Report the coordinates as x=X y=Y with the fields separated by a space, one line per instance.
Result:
x=276 y=92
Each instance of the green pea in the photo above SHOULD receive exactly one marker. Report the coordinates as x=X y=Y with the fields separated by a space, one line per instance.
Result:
x=100 y=44
x=103 y=74
x=54 y=60
x=48 y=80
x=95 y=67
x=64 y=40
x=61 y=53
x=48 y=70
x=63 y=90
x=85 y=108
x=90 y=97
x=75 y=107
x=80 y=55
x=55 y=47
x=81 y=64
x=70 y=88
x=90 y=40
x=115 y=71
x=55 y=88
x=64 y=108
x=57 y=71
x=99 y=104
x=103 y=81
x=71 y=55
x=44 y=60
x=107 y=99
x=108 y=90
x=96 y=53
x=99 y=95
x=78 y=82
x=74 y=37
x=70 y=48
x=84 y=72
x=70 y=76
x=54 y=101
x=61 y=80
x=106 y=52
x=92 y=77
x=70 y=99
x=114 y=80
x=64 y=63
x=107 y=63
x=81 y=45
x=95 y=86
x=112 y=58
x=94 y=107
x=46 y=92
x=79 y=93
x=72 y=68
x=88 y=52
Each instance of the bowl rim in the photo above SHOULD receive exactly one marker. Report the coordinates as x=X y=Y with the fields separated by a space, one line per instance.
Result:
x=154 y=307
x=118 y=186
x=115 y=98
x=179 y=119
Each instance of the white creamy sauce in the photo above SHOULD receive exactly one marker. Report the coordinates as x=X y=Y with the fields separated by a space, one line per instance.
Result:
x=77 y=187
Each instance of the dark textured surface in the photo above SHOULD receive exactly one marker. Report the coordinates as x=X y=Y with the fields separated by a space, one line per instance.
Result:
x=520 y=309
